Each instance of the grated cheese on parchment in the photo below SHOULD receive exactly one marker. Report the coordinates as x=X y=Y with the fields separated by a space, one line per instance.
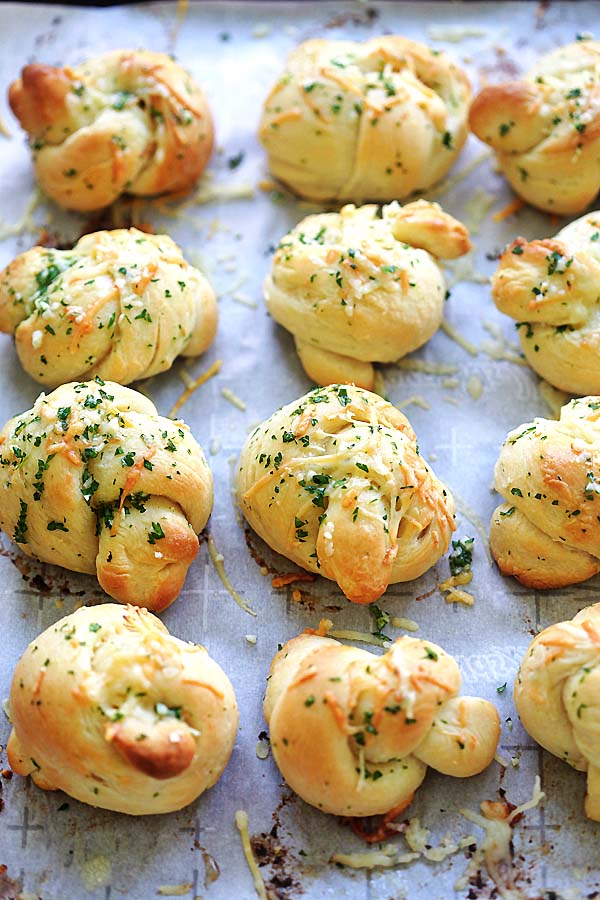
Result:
x=455 y=594
x=407 y=624
x=453 y=34
x=459 y=338
x=218 y=560
x=228 y=395
x=241 y=821
x=194 y=385
x=175 y=890
x=427 y=368
x=415 y=400
x=362 y=636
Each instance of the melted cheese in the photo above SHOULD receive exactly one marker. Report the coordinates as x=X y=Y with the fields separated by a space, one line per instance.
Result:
x=218 y=559
x=241 y=821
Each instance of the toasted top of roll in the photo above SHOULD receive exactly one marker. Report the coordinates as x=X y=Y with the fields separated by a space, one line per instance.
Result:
x=547 y=533
x=127 y=121
x=96 y=481
x=545 y=129
x=334 y=481
x=353 y=733
x=376 y=120
x=121 y=304
x=550 y=287
x=109 y=707
x=557 y=693
x=362 y=285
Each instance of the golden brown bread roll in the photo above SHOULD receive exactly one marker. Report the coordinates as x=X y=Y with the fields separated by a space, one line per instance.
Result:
x=96 y=481
x=547 y=533
x=353 y=733
x=545 y=129
x=362 y=286
x=335 y=482
x=128 y=121
x=109 y=707
x=121 y=304
x=376 y=120
x=551 y=288
x=557 y=694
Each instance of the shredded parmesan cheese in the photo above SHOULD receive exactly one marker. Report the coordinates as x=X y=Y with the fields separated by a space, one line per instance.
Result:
x=262 y=749
x=460 y=339
x=416 y=400
x=241 y=821
x=407 y=624
x=453 y=34
x=475 y=387
x=500 y=348
x=4 y=130
x=455 y=595
x=194 y=385
x=217 y=559
x=495 y=851
x=175 y=890
x=26 y=224
x=233 y=398
x=361 y=636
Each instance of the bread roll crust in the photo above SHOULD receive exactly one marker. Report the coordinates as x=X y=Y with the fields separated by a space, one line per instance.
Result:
x=109 y=707
x=335 y=483
x=129 y=121
x=121 y=305
x=376 y=120
x=556 y=694
x=362 y=285
x=97 y=482
x=547 y=532
x=550 y=287
x=353 y=733
x=545 y=129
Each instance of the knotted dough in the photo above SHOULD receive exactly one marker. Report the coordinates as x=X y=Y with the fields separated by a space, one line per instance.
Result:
x=362 y=286
x=557 y=694
x=547 y=532
x=129 y=121
x=121 y=304
x=376 y=120
x=353 y=733
x=551 y=288
x=94 y=480
x=109 y=707
x=334 y=481
x=545 y=129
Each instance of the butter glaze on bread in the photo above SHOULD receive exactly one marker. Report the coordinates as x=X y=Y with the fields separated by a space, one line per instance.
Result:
x=121 y=305
x=335 y=483
x=557 y=694
x=129 y=121
x=376 y=120
x=94 y=480
x=353 y=733
x=109 y=707
x=362 y=285
x=545 y=129
x=551 y=288
x=547 y=532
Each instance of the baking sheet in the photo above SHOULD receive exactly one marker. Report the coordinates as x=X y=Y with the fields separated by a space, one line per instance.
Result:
x=55 y=848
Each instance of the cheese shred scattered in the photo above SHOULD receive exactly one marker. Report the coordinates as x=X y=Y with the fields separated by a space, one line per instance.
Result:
x=456 y=336
x=455 y=594
x=415 y=400
x=241 y=821
x=175 y=890
x=233 y=399
x=361 y=636
x=407 y=624
x=194 y=385
x=217 y=559
x=428 y=368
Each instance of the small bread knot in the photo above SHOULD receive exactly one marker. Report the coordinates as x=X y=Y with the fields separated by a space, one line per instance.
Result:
x=127 y=121
x=353 y=733
x=109 y=707
x=556 y=694
x=551 y=288
x=89 y=485
x=545 y=129
x=362 y=286
x=377 y=120
x=546 y=533
x=121 y=305
x=335 y=483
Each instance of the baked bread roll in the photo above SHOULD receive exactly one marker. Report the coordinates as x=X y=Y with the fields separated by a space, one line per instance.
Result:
x=547 y=533
x=94 y=480
x=109 y=707
x=353 y=733
x=335 y=482
x=121 y=304
x=376 y=120
x=545 y=129
x=558 y=698
x=362 y=286
x=128 y=121
x=551 y=288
